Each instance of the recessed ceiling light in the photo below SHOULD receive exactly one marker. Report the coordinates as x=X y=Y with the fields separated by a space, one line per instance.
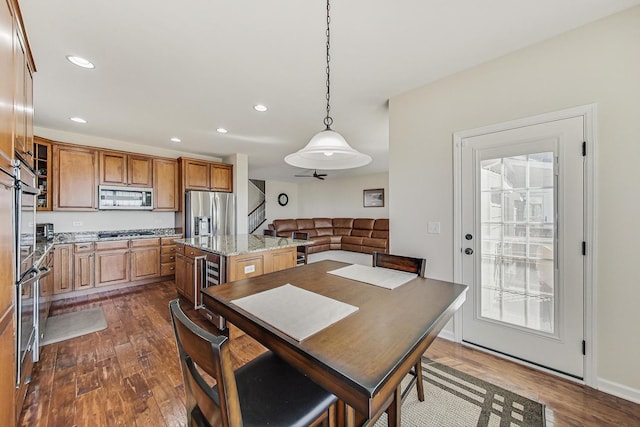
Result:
x=80 y=62
x=222 y=130
x=78 y=120
x=174 y=139
x=260 y=107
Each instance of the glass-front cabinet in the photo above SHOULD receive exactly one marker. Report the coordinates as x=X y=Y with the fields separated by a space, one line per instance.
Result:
x=42 y=163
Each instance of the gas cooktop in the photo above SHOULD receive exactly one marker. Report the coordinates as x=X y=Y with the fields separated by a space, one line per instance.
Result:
x=125 y=234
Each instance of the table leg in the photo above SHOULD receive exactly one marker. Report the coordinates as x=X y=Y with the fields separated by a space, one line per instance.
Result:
x=394 y=409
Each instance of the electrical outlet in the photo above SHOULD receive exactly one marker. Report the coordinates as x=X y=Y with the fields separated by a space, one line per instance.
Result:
x=77 y=223
x=433 y=227
x=249 y=269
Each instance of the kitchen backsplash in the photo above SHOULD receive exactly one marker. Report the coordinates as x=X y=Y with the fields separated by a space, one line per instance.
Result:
x=70 y=222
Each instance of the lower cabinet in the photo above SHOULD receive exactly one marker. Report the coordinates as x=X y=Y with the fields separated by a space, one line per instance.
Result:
x=145 y=259
x=168 y=255
x=63 y=268
x=83 y=266
x=112 y=262
x=184 y=276
x=259 y=263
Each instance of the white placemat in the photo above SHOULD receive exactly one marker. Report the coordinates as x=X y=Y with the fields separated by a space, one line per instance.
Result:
x=378 y=276
x=296 y=312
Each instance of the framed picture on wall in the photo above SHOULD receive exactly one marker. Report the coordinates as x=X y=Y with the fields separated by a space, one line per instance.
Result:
x=373 y=198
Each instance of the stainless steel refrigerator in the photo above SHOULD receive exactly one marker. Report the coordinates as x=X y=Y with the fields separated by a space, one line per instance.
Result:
x=209 y=213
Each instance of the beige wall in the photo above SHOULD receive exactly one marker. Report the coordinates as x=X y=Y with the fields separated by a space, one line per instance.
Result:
x=598 y=63
x=342 y=197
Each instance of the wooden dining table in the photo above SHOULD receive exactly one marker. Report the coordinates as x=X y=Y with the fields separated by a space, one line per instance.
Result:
x=363 y=357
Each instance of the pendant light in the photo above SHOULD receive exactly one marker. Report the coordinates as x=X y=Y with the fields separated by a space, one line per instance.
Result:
x=328 y=150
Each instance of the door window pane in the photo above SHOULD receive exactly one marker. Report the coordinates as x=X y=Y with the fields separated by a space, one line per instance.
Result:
x=517 y=240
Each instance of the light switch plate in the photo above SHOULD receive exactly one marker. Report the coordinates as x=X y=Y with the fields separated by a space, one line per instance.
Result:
x=77 y=223
x=433 y=227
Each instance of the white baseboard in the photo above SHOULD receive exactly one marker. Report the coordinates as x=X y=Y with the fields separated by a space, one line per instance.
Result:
x=619 y=390
x=447 y=335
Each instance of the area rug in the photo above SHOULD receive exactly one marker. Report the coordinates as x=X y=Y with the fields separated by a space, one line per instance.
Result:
x=455 y=399
x=71 y=325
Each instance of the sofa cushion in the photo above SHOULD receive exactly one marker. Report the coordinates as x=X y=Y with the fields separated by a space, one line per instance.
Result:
x=352 y=240
x=381 y=224
x=374 y=243
x=343 y=223
x=363 y=223
x=305 y=224
x=322 y=223
x=324 y=231
x=284 y=227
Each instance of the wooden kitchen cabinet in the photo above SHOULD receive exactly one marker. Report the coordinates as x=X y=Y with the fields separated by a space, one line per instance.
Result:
x=184 y=271
x=42 y=162
x=6 y=89
x=166 y=193
x=221 y=177
x=145 y=259
x=23 y=99
x=259 y=263
x=118 y=168
x=195 y=175
x=83 y=266
x=168 y=255
x=63 y=268
x=206 y=176
x=112 y=262
x=75 y=177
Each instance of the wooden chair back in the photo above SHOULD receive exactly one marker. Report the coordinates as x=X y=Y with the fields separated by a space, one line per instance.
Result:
x=198 y=348
x=398 y=262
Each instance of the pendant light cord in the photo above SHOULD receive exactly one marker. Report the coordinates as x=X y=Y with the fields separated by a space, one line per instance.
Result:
x=328 y=121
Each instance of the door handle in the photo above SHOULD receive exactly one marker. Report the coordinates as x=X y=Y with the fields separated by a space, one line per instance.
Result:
x=468 y=251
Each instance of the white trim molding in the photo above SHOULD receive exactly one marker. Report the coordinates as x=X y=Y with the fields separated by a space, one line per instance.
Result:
x=588 y=112
x=619 y=390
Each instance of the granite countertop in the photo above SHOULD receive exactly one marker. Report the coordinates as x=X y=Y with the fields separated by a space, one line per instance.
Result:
x=93 y=236
x=42 y=248
x=241 y=243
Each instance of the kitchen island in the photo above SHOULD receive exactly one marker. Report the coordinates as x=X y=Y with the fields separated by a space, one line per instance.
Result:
x=212 y=260
x=245 y=255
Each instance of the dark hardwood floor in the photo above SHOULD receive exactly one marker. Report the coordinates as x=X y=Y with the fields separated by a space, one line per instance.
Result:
x=128 y=374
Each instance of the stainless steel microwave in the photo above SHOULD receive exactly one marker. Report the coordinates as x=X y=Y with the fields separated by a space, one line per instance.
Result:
x=125 y=198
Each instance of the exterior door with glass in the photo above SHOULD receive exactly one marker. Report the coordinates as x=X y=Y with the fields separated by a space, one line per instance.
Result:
x=522 y=229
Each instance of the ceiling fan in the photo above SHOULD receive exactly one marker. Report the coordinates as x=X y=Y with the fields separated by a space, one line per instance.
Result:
x=315 y=175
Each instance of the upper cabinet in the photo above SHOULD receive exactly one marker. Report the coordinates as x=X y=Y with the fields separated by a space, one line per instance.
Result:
x=165 y=185
x=221 y=177
x=75 y=177
x=42 y=162
x=6 y=87
x=117 y=168
x=23 y=99
x=206 y=176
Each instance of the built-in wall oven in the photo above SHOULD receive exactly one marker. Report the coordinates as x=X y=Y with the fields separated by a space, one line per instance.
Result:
x=27 y=275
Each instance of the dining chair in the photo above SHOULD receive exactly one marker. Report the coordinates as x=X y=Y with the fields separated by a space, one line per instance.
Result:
x=265 y=391
x=410 y=265
x=302 y=250
x=269 y=232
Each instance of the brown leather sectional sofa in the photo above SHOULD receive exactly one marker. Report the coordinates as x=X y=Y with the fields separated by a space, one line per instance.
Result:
x=364 y=235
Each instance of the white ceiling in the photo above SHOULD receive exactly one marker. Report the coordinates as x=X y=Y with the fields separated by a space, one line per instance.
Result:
x=184 y=68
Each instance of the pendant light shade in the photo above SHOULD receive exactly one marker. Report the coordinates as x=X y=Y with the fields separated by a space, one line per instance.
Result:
x=328 y=149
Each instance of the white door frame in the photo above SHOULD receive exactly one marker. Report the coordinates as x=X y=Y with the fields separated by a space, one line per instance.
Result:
x=588 y=112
